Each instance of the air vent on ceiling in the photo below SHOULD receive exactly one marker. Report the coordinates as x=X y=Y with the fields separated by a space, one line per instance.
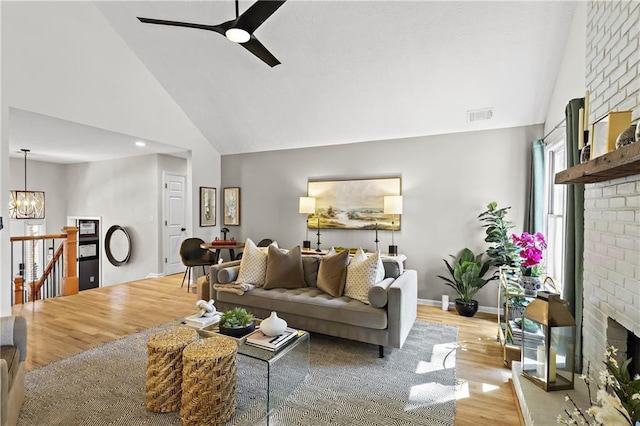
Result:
x=479 y=114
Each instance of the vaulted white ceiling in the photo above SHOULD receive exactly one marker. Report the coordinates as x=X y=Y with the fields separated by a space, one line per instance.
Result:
x=352 y=71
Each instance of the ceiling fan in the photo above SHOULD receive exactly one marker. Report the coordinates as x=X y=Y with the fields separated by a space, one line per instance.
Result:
x=239 y=30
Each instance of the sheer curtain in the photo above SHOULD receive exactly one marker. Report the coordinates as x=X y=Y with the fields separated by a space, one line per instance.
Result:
x=573 y=289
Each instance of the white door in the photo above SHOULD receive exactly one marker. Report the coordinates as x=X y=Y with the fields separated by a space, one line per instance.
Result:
x=174 y=195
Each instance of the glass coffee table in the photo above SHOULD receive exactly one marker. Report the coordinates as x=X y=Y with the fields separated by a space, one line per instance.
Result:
x=287 y=367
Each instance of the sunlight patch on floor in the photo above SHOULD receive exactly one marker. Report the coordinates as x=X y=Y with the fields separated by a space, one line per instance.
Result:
x=428 y=394
x=441 y=358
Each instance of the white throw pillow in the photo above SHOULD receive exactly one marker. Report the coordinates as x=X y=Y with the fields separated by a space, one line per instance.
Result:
x=363 y=273
x=253 y=266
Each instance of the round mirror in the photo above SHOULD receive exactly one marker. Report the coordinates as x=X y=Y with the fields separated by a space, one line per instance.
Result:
x=117 y=245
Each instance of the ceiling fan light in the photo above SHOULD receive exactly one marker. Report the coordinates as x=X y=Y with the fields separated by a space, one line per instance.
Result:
x=237 y=35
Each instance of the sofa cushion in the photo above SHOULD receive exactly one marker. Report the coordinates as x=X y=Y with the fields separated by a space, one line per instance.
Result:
x=393 y=267
x=284 y=270
x=253 y=266
x=310 y=302
x=11 y=355
x=310 y=266
x=363 y=273
x=332 y=273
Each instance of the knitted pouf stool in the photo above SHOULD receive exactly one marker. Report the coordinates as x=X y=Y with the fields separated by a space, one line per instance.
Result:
x=209 y=382
x=164 y=368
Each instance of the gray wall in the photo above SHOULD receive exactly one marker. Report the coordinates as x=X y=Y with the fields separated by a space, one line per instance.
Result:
x=124 y=192
x=447 y=180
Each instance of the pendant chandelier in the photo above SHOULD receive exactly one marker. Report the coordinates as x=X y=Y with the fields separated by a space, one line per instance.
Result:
x=26 y=204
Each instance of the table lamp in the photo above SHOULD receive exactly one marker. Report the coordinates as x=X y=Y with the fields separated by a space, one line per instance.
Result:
x=393 y=205
x=307 y=206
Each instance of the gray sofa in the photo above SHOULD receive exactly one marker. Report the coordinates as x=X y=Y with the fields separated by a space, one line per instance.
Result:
x=13 y=352
x=386 y=321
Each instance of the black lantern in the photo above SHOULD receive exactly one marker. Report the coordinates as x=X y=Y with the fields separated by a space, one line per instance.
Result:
x=548 y=343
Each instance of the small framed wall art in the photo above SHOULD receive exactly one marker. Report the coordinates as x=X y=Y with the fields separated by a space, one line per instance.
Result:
x=231 y=197
x=606 y=129
x=207 y=206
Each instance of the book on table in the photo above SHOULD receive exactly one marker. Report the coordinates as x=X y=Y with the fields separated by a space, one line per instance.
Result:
x=272 y=343
x=197 y=321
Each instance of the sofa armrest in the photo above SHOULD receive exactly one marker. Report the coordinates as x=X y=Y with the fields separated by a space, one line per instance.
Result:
x=13 y=331
x=4 y=390
x=402 y=307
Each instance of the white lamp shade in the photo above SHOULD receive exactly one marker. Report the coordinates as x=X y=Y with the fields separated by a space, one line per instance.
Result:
x=393 y=204
x=307 y=205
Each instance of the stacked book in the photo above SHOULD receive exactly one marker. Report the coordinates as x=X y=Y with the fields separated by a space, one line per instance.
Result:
x=197 y=321
x=272 y=343
x=535 y=339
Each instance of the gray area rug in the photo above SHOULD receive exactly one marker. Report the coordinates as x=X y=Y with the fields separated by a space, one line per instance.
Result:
x=347 y=385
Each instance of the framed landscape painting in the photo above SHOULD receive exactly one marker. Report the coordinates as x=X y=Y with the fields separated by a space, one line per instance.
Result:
x=207 y=206
x=353 y=204
x=231 y=198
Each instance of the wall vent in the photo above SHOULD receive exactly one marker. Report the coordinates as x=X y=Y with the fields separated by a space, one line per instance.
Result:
x=479 y=114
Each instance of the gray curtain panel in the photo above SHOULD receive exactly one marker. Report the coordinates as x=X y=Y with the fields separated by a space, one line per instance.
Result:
x=535 y=212
x=573 y=287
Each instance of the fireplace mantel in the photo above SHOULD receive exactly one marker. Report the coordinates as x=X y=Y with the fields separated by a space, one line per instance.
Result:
x=622 y=162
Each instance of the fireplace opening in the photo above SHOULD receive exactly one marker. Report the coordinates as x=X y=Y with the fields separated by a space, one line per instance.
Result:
x=627 y=343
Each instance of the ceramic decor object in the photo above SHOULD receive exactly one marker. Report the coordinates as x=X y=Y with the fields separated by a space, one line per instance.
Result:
x=273 y=325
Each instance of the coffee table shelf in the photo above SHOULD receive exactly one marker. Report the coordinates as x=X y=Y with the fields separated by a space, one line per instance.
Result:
x=286 y=368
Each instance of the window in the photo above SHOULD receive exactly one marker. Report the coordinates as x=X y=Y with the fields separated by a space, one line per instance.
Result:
x=555 y=211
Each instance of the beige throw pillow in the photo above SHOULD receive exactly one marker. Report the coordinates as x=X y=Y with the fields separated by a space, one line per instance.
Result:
x=253 y=266
x=284 y=270
x=363 y=273
x=332 y=273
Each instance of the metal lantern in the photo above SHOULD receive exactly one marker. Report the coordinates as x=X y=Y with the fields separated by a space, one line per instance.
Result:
x=548 y=343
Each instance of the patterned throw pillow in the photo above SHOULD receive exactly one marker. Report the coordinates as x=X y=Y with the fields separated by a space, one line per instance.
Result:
x=363 y=273
x=333 y=272
x=253 y=266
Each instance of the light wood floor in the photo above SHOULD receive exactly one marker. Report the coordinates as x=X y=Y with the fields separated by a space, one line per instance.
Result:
x=61 y=327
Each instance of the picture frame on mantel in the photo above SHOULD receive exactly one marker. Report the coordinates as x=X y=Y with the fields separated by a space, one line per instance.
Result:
x=207 y=206
x=231 y=206
x=606 y=129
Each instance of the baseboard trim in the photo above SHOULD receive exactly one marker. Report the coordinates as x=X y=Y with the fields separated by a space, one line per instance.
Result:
x=429 y=302
x=155 y=275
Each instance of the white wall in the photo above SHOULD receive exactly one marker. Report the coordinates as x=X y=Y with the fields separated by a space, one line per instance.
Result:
x=570 y=81
x=64 y=60
x=447 y=181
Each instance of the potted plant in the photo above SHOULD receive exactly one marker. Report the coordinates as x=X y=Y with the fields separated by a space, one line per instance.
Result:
x=531 y=247
x=467 y=277
x=503 y=252
x=236 y=322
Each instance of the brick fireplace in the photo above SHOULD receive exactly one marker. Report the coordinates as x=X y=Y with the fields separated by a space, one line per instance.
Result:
x=611 y=266
x=612 y=208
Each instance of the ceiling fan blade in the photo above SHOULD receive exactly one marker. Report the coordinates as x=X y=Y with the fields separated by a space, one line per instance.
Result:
x=220 y=29
x=255 y=47
x=257 y=13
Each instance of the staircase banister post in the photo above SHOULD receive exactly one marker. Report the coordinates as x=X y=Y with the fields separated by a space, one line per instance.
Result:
x=17 y=290
x=70 y=283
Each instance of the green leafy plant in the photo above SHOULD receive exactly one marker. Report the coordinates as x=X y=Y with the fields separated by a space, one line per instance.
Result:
x=503 y=251
x=467 y=274
x=236 y=317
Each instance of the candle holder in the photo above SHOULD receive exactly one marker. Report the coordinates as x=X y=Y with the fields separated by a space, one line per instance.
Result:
x=548 y=343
